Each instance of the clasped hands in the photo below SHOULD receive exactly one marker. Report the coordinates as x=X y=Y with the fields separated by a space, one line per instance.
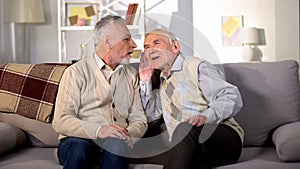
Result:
x=115 y=131
x=145 y=70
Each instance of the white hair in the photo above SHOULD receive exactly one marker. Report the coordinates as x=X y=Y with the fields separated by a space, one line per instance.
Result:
x=102 y=25
x=171 y=36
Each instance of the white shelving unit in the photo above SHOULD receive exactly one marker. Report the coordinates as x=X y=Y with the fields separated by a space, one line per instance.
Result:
x=70 y=37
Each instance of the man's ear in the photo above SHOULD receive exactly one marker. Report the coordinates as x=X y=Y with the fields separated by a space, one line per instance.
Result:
x=176 y=47
x=107 y=42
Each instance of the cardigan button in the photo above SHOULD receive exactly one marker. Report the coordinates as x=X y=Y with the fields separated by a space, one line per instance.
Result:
x=113 y=105
x=115 y=119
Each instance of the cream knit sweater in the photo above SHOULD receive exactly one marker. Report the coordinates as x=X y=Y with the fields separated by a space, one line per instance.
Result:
x=86 y=101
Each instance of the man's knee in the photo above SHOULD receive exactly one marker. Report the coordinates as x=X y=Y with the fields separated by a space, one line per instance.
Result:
x=74 y=150
x=116 y=146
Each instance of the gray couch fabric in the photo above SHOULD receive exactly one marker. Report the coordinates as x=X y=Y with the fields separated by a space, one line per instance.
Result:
x=271 y=97
x=11 y=137
x=270 y=118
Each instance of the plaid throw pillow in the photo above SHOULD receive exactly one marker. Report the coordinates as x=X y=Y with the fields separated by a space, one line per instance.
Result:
x=30 y=89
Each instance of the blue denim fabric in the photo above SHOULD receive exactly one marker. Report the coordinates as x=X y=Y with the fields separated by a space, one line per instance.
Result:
x=77 y=153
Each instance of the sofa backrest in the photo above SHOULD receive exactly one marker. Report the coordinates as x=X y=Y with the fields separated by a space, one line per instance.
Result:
x=271 y=96
x=270 y=93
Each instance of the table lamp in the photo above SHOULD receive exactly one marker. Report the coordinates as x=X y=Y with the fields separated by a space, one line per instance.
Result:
x=249 y=37
x=24 y=11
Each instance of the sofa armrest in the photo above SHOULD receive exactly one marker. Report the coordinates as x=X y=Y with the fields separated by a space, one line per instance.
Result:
x=287 y=141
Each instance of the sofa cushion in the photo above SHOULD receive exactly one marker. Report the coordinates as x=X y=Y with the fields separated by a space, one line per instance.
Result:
x=287 y=140
x=29 y=89
x=40 y=134
x=10 y=137
x=271 y=97
x=31 y=158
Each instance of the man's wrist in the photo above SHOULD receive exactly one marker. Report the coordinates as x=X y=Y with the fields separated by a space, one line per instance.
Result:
x=98 y=132
x=146 y=74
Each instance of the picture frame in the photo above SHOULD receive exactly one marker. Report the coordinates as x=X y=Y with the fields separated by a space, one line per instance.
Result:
x=231 y=26
x=81 y=14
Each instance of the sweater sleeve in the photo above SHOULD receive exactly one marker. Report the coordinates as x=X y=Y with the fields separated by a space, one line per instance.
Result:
x=66 y=120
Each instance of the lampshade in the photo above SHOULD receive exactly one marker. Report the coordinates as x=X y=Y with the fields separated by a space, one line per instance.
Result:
x=25 y=11
x=249 y=36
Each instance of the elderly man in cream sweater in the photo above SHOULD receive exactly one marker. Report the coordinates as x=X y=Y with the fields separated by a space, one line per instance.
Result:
x=98 y=111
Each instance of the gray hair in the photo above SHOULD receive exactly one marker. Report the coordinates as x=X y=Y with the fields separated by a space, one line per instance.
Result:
x=171 y=36
x=100 y=27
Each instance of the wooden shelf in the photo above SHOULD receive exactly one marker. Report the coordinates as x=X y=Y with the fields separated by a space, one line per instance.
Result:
x=77 y=28
x=70 y=37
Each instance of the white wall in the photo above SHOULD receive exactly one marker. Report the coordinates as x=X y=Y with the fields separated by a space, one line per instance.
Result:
x=43 y=36
x=175 y=16
x=279 y=19
x=4 y=38
x=207 y=19
x=1 y=33
x=287 y=29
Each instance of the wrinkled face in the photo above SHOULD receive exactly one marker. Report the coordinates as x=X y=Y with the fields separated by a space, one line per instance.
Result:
x=120 y=45
x=159 y=53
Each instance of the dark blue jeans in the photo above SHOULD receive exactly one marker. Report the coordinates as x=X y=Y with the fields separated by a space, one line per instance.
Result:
x=78 y=153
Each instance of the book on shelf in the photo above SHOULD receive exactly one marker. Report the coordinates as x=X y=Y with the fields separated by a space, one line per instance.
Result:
x=137 y=17
x=130 y=14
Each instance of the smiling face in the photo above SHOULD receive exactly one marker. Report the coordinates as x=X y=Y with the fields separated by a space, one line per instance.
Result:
x=119 y=45
x=159 y=51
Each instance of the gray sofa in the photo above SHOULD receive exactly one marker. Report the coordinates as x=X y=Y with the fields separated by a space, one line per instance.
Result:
x=270 y=118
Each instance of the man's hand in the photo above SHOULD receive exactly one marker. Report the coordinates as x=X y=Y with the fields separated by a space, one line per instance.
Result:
x=116 y=132
x=145 y=71
x=146 y=74
x=197 y=120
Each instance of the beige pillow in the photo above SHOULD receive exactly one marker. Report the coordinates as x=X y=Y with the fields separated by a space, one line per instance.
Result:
x=40 y=134
x=287 y=141
x=10 y=137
